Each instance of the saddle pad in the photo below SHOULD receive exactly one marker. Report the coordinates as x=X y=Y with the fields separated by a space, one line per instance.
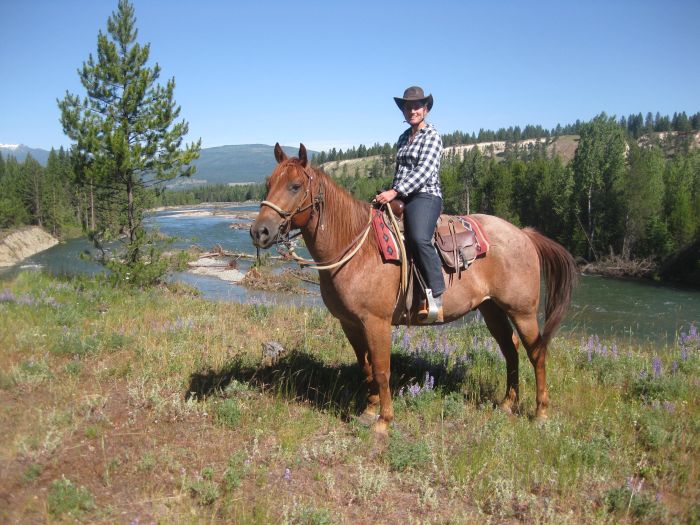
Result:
x=482 y=242
x=385 y=238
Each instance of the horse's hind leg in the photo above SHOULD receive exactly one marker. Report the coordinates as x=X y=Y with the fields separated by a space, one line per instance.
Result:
x=537 y=352
x=499 y=326
x=356 y=336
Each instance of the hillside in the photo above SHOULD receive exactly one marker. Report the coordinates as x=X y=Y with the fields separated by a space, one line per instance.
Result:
x=235 y=164
x=564 y=146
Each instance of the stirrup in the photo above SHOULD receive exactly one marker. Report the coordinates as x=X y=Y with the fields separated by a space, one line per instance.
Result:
x=429 y=311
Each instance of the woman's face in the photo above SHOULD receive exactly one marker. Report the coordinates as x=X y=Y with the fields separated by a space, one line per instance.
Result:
x=414 y=112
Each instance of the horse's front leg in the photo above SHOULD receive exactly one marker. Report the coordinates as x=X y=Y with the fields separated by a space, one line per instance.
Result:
x=377 y=332
x=356 y=335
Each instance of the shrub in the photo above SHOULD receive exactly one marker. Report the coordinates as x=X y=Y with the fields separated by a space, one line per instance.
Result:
x=228 y=413
x=404 y=454
x=66 y=498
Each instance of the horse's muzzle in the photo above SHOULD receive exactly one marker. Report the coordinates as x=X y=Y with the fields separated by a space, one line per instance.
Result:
x=261 y=235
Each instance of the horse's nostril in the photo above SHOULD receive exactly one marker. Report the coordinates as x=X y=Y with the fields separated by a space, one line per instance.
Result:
x=259 y=234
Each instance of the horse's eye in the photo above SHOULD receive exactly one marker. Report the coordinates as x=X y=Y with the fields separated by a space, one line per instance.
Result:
x=294 y=187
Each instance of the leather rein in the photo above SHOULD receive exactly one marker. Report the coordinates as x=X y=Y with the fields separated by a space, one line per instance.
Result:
x=316 y=203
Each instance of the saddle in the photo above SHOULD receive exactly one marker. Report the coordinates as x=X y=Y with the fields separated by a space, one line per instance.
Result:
x=458 y=241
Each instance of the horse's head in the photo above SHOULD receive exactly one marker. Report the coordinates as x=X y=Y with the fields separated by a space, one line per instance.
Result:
x=289 y=202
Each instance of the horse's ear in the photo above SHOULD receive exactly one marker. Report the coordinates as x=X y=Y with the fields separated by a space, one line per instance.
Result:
x=280 y=155
x=302 y=155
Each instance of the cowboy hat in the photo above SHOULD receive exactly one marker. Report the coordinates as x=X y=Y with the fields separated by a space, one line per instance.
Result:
x=412 y=94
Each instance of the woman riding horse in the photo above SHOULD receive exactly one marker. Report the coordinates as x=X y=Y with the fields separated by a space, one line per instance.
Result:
x=362 y=291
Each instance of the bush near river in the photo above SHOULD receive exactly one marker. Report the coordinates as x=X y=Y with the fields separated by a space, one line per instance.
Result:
x=132 y=406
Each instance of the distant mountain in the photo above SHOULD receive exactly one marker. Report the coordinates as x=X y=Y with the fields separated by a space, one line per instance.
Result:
x=220 y=165
x=237 y=164
x=20 y=152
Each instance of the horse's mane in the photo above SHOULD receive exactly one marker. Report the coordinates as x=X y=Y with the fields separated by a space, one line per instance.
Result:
x=343 y=214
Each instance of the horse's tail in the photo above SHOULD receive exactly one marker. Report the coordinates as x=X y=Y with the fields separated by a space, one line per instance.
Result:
x=560 y=274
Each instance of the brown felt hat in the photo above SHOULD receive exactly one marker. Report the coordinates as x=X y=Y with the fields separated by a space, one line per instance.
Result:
x=412 y=94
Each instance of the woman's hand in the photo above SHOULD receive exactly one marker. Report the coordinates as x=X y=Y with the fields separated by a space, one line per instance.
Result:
x=386 y=196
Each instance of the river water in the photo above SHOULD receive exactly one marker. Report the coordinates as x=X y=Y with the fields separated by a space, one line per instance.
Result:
x=635 y=311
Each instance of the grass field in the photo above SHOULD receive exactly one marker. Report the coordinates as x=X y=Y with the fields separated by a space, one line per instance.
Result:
x=125 y=406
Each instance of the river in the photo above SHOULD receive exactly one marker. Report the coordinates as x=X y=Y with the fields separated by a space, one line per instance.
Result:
x=639 y=312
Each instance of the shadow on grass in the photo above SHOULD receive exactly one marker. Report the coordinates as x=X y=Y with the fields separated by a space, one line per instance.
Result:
x=338 y=388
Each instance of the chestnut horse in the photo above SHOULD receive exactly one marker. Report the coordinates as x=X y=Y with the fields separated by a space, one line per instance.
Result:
x=363 y=292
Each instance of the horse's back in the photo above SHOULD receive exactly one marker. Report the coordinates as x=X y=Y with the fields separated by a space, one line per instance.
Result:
x=509 y=273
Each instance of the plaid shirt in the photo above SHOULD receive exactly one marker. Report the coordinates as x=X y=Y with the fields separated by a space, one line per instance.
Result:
x=418 y=163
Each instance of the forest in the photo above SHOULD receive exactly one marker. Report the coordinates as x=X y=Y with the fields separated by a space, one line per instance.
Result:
x=631 y=190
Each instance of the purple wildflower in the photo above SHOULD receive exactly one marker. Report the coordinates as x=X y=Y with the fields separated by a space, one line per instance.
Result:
x=287 y=474
x=669 y=407
x=406 y=341
x=656 y=367
x=429 y=382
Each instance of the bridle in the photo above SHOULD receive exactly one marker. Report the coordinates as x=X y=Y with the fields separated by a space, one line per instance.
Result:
x=315 y=203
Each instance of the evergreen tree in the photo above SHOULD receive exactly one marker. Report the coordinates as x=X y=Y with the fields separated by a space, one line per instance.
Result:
x=598 y=168
x=643 y=191
x=32 y=184
x=125 y=129
x=12 y=210
x=682 y=199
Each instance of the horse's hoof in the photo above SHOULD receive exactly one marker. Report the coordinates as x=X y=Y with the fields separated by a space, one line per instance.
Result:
x=381 y=428
x=367 y=418
x=541 y=418
x=507 y=407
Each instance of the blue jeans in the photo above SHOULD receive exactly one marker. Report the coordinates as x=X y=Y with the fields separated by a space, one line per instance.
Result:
x=420 y=217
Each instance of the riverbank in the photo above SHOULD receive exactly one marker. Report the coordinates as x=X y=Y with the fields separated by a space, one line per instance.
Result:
x=17 y=245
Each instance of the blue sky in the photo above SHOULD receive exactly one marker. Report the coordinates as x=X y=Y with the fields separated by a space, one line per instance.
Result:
x=324 y=73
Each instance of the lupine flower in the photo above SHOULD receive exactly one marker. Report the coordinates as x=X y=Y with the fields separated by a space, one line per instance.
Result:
x=414 y=388
x=656 y=367
x=287 y=474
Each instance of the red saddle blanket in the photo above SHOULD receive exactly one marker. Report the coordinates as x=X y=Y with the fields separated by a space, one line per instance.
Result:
x=385 y=237
x=482 y=242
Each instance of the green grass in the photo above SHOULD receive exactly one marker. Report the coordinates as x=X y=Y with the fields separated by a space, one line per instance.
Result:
x=157 y=405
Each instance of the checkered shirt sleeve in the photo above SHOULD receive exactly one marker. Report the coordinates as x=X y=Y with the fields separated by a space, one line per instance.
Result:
x=418 y=163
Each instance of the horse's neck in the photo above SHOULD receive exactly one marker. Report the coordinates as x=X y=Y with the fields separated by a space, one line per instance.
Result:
x=342 y=219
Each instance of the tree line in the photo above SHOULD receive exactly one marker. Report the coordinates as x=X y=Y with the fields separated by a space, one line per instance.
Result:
x=635 y=125
x=614 y=196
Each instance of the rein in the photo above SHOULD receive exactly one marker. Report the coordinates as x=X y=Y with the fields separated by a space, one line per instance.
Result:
x=349 y=255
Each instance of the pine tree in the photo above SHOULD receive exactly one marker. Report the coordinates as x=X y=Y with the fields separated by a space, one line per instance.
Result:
x=598 y=167
x=643 y=191
x=125 y=129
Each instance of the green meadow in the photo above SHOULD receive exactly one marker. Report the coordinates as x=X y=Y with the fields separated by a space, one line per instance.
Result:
x=119 y=405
